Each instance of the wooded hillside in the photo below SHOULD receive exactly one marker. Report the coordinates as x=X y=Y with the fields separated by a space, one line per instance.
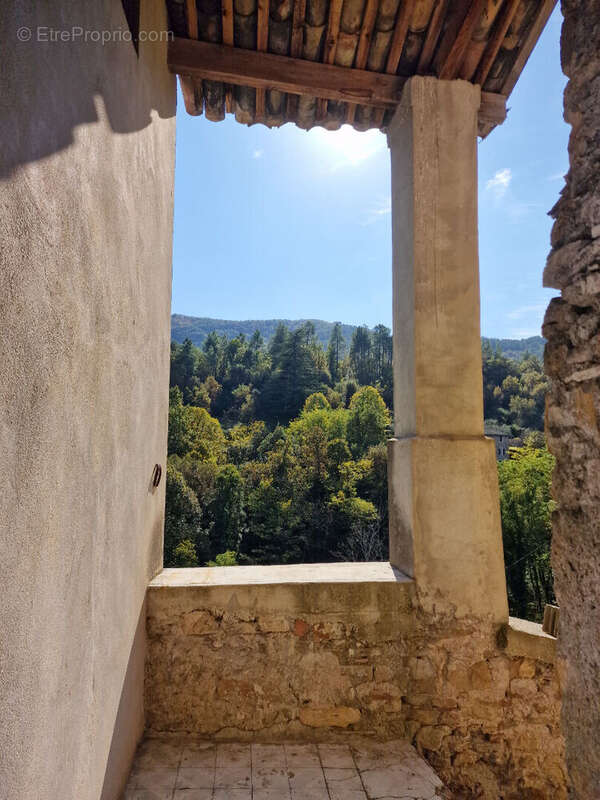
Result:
x=277 y=453
x=196 y=329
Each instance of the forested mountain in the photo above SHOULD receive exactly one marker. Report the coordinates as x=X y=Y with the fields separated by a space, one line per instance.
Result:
x=516 y=348
x=196 y=329
x=277 y=453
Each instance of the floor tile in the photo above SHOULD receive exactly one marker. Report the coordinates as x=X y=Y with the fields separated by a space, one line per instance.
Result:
x=301 y=756
x=191 y=778
x=308 y=782
x=341 y=793
x=336 y=755
x=233 y=777
x=270 y=779
x=199 y=755
x=148 y=794
x=198 y=770
x=163 y=778
x=238 y=755
x=232 y=794
x=397 y=782
x=281 y=793
x=268 y=756
x=349 y=779
x=154 y=753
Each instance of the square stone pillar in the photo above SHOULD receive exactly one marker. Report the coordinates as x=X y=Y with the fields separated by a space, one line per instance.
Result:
x=443 y=487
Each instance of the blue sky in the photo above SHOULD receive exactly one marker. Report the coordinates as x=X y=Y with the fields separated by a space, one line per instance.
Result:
x=285 y=223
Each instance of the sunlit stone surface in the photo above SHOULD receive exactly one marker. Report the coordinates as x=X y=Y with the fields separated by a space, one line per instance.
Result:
x=359 y=769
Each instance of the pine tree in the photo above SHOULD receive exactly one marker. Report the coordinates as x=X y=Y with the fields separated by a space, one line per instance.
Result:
x=361 y=355
x=335 y=352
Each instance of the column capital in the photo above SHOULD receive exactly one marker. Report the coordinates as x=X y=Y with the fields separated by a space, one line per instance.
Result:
x=428 y=94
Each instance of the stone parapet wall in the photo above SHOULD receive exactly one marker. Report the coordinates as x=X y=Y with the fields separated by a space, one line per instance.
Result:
x=572 y=360
x=317 y=660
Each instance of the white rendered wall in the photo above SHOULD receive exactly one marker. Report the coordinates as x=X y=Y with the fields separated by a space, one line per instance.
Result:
x=86 y=188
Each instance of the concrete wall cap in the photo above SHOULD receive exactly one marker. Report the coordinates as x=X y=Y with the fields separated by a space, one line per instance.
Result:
x=527 y=639
x=346 y=572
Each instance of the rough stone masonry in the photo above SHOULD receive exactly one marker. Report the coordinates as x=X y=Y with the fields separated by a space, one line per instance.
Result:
x=572 y=328
x=321 y=661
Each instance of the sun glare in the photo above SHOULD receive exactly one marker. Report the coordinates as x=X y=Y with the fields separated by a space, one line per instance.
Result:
x=346 y=146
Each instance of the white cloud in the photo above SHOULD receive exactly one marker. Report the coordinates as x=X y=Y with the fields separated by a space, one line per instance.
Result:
x=524 y=311
x=500 y=182
x=557 y=176
x=258 y=153
x=526 y=333
x=377 y=211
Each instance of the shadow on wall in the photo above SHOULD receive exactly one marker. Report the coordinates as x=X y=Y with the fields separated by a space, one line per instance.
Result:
x=45 y=40
x=129 y=724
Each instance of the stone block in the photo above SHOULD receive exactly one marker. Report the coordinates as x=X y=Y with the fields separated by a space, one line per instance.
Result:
x=199 y=623
x=431 y=737
x=525 y=687
x=334 y=717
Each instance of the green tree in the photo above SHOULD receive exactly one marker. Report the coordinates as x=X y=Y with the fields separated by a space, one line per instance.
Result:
x=205 y=437
x=228 y=510
x=314 y=402
x=368 y=420
x=361 y=360
x=294 y=379
x=193 y=430
x=184 y=362
x=382 y=351
x=184 y=554
x=226 y=559
x=277 y=345
x=213 y=351
x=178 y=438
x=183 y=521
x=335 y=352
x=526 y=505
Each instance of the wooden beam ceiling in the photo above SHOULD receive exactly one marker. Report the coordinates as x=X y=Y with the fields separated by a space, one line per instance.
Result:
x=192 y=98
x=525 y=51
x=262 y=40
x=453 y=61
x=432 y=36
x=364 y=45
x=494 y=44
x=331 y=40
x=296 y=46
x=398 y=39
x=233 y=65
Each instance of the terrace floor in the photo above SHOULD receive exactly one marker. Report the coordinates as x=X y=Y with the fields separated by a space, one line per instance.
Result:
x=360 y=769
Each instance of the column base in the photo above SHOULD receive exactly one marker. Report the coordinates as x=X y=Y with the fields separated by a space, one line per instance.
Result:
x=445 y=530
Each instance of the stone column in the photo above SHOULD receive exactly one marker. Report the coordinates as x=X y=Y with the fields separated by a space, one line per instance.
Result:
x=443 y=487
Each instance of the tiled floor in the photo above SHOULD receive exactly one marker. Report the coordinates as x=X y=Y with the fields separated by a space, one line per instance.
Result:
x=363 y=769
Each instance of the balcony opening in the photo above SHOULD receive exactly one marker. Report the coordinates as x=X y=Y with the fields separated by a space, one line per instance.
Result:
x=517 y=187
x=279 y=414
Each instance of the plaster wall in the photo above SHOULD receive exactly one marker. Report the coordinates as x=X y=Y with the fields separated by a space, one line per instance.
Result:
x=86 y=188
x=572 y=360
